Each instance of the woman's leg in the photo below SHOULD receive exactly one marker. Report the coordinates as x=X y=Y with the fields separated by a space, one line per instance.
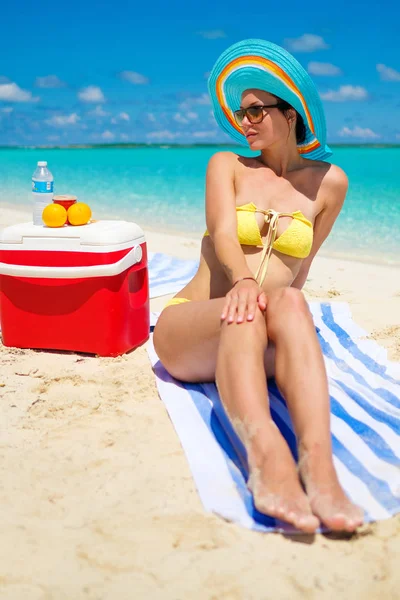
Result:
x=194 y=346
x=301 y=377
x=241 y=380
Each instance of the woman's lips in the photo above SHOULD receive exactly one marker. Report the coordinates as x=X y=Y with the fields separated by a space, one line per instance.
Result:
x=250 y=135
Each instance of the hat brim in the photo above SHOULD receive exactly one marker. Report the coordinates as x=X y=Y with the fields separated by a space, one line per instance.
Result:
x=258 y=64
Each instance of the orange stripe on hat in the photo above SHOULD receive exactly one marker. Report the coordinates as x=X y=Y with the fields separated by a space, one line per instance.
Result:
x=276 y=70
x=308 y=147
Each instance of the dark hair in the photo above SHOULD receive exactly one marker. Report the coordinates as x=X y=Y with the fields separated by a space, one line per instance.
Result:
x=300 y=127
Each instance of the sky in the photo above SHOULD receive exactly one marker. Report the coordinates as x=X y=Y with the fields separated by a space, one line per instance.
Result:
x=88 y=72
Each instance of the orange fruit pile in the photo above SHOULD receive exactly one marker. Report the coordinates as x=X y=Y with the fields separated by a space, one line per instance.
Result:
x=55 y=215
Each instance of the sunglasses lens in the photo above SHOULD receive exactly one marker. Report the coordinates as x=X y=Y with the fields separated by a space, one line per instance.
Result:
x=254 y=114
x=239 y=115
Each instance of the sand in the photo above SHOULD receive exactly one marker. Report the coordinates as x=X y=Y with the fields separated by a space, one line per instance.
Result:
x=97 y=501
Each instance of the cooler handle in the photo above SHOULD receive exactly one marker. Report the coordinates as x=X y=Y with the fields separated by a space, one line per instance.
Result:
x=134 y=256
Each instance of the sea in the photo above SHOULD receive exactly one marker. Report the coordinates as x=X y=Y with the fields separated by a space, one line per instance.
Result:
x=162 y=188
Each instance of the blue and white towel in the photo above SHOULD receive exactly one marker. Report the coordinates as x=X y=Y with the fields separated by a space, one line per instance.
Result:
x=168 y=274
x=365 y=417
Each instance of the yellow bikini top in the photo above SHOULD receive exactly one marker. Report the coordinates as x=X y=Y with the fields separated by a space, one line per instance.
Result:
x=295 y=241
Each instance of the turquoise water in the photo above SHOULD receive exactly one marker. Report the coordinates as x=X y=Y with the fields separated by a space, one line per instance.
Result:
x=163 y=188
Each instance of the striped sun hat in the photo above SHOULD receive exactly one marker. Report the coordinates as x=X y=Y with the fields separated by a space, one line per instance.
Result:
x=258 y=64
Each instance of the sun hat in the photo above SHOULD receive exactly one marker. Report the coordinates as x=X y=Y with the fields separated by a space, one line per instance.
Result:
x=258 y=64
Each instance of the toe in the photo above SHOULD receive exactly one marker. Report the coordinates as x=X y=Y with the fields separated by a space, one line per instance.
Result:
x=354 y=521
x=336 y=522
x=350 y=526
x=280 y=512
x=307 y=523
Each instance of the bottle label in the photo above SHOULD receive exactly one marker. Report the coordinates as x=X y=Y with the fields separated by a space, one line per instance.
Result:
x=42 y=187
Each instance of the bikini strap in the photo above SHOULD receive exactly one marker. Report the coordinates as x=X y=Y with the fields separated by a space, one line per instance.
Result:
x=272 y=218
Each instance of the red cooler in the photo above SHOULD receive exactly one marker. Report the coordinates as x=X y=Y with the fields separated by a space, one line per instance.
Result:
x=83 y=289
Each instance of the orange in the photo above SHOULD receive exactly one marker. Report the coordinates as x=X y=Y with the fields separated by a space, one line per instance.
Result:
x=54 y=215
x=79 y=214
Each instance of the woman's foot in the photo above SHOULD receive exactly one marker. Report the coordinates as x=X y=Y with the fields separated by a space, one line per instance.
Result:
x=275 y=484
x=327 y=498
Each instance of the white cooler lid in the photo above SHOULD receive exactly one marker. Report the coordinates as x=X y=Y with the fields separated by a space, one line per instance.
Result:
x=99 y=236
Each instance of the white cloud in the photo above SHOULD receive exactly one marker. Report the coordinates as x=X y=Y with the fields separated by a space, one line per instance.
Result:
x=49 y=81
x=397 y=136
x=387 y=73
x=123 y=116
x=11 y=92
x=98 y=112
x=204 y=134
x=4 y=79
x=319 y=68
x=124 y=136
x=53 y=138
x=107 y=135
x=91 y=93
x=306 y=43
x=133 y=77
x=346 y=92
x=359 y=132
x=63 y=120
x=162 y=135
x=202 y=100
x=212 y=34
x=7 y=109
x=190 y=116
x=179 y=119
x=151 y=117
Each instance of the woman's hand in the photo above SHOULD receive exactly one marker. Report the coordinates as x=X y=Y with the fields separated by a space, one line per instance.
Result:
x=242 y=300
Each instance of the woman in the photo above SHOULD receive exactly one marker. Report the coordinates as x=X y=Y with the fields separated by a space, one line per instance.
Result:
x=243 y=316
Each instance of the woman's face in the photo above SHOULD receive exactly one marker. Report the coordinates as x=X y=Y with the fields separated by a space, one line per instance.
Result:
x=273 y=128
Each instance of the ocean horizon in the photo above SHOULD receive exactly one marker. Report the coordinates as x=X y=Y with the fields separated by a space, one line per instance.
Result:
x=111 y=145
x=162 y=186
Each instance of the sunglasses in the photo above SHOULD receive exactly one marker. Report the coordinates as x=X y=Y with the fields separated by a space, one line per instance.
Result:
x=254 y=114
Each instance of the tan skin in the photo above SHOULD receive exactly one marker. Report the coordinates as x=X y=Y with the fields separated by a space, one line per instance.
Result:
x=238 y=334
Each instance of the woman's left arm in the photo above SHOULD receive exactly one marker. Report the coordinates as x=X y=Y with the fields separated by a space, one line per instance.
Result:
x=333 y=191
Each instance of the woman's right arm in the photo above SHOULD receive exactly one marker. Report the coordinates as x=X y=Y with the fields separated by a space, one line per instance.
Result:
x=241 y=301
x=221 y=215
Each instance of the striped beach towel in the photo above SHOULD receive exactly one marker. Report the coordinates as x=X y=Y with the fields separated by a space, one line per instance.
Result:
x=365 y=423
x=168 y=274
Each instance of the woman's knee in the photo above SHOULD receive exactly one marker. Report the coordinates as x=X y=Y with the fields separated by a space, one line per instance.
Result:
x=244 y=332
x=284 y=303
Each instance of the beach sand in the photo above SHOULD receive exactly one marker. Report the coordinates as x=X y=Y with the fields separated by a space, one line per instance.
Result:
x=97 y=501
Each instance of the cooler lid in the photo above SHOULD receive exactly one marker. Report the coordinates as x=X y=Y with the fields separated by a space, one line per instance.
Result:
x=95 y=235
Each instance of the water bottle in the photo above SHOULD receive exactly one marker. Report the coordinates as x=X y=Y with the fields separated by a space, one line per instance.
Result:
x=42 y=191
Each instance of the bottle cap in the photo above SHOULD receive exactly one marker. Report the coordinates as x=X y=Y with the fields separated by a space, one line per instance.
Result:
x=42 y=163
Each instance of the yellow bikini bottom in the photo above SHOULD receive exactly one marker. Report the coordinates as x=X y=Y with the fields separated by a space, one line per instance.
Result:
x=174 y=301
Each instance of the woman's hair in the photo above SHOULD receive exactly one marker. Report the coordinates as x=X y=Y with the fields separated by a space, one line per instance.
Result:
x=300 y=127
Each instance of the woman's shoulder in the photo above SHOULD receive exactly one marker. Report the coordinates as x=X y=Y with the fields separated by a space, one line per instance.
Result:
x=334 y=179
x=332 y=184
x=224 y=156
x=231 y=161
x=329 y=177
x=330 y=172
x=228 y=162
